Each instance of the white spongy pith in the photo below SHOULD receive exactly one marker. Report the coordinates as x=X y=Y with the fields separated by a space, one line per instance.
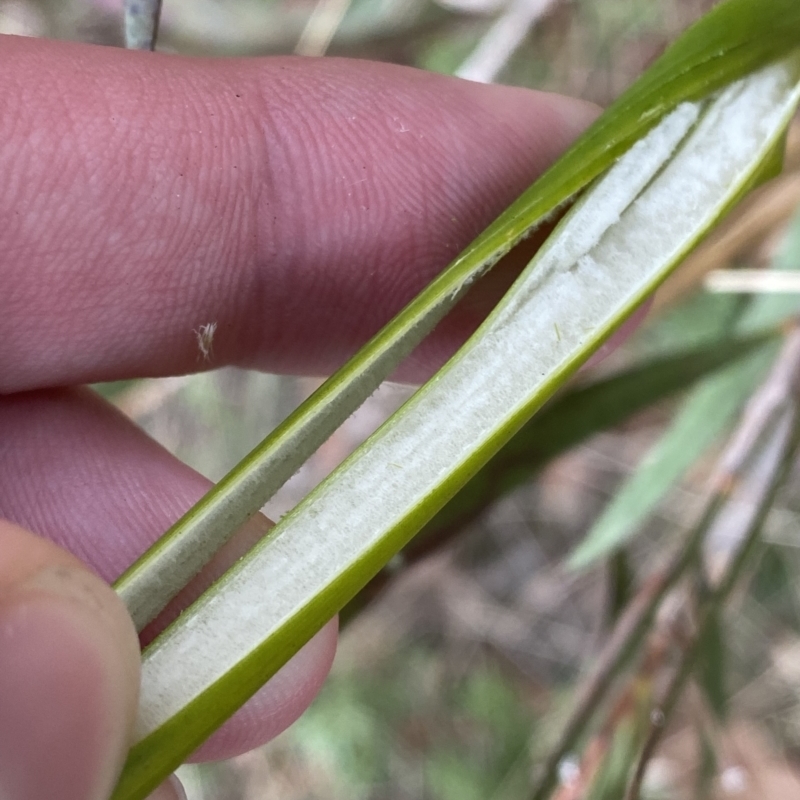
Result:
x=607 y=252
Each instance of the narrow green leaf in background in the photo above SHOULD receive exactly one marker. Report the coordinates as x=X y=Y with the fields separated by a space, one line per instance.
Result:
x=704 y=417
x=711 y=670
x=774 y=587
x=700 y=319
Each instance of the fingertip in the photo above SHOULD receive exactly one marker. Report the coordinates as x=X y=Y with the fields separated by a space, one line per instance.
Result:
x=69 y=675
x=550 y=121
x=576 y=115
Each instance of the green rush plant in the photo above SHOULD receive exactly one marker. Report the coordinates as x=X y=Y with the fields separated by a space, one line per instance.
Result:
x=703 y=125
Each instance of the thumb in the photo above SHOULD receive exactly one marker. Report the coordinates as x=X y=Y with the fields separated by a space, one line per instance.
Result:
x=69 y=674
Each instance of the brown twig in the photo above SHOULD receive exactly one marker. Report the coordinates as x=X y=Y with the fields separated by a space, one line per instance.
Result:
x=760 y=448
x=761 y=484
x=752 y=467
x=629 y=632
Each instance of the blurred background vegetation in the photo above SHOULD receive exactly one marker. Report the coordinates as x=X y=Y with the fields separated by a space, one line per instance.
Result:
x=460 y=669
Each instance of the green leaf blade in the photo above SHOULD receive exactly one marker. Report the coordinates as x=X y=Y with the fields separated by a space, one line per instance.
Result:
x=701 y=421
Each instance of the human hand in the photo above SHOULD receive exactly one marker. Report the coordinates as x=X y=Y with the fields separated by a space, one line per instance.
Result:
x=297 y=204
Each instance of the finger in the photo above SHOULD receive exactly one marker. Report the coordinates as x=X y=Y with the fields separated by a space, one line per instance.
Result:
x=69 y=674
x=76 y=471
x=294 y=204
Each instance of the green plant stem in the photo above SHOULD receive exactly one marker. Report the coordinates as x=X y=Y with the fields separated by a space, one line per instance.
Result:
x=609 y=253
x=734 y=39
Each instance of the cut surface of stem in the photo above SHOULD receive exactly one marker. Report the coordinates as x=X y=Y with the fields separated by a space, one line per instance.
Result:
x=604 y=258
x=736 y=37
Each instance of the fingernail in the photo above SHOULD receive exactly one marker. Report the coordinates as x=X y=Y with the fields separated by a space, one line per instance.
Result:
x=63 y=732
x=171 y=789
